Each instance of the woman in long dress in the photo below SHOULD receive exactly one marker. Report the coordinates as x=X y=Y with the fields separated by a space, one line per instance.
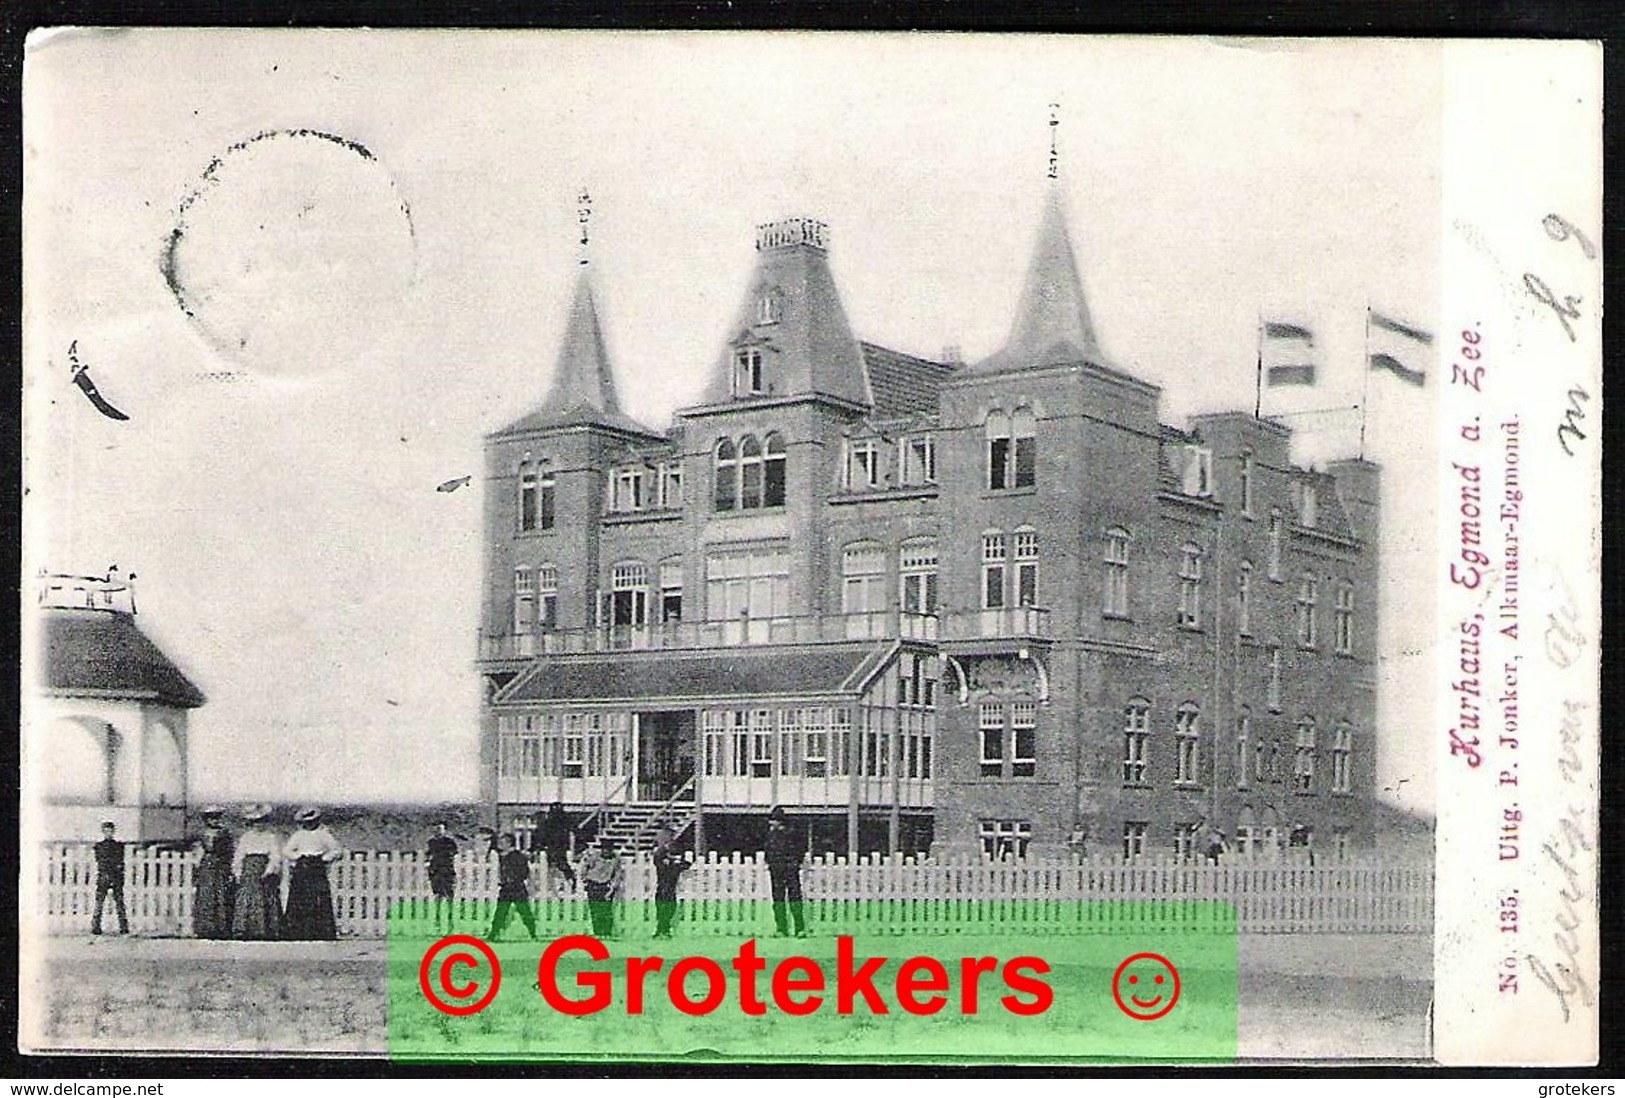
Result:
x=212 y=897
x=257 y=915
x=308 y=853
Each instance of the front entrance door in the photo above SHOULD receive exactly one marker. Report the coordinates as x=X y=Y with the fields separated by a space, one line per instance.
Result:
x=665 y=753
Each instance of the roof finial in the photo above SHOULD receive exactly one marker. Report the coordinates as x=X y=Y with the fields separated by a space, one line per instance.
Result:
x=1054 y=149
x=584 y=216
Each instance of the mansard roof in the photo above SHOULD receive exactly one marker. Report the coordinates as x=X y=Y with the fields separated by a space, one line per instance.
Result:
x=1052 y=325
x=103 y=654
x=804 y=332
x=582 y=393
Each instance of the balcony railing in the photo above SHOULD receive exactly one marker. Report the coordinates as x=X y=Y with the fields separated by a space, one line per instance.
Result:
x=1015 y=622
x=874 y=625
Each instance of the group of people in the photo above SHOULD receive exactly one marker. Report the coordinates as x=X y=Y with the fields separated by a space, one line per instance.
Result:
x=237 y=891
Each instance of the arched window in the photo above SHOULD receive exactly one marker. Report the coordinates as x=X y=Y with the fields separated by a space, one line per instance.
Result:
x=863 y=578
x=1190 y=586
x=774 y=471
x=1114 y=597
x=1136 y=735
x=1244 y=599
x=726 y=496
x=1308 y=594
x=1187 y=740
x=1303 y=769
x=750 y=474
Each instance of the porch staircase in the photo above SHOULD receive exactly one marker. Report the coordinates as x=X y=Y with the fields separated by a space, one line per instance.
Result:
x=632 y=827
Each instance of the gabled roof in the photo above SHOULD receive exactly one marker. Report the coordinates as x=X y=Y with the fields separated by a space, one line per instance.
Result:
x=904 y=385
x=806 y=670
x=809 y=349
x=583 y=388
x=101 y=653
x=1052 y=324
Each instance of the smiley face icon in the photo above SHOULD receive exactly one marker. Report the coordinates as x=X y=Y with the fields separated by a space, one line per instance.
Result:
x=1146 y=986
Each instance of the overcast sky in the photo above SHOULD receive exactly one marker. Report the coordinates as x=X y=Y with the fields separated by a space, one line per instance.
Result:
x=373 y=313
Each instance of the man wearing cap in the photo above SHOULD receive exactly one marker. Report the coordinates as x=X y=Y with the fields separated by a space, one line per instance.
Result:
x=670 y=864
x=212 y=896
x=513 y=889
x=257 y=865
x=783 y=852
x=308 y=853
x=109 y=878
x=441 y=854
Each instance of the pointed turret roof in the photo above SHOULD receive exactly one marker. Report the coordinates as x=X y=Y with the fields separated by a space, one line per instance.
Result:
x=1052 y=324
x=583 y=388
x=792 y=313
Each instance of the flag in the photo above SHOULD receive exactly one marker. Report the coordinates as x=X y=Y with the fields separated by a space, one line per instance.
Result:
x=1298 y=373
x=1286 y=365
x=1274 y=329
x=1395 y=347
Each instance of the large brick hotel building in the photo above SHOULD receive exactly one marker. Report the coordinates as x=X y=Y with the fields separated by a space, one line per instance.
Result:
x=923 y=604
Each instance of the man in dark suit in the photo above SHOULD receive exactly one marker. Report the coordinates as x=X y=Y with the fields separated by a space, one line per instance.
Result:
x=513 y=889
x=783 y=852
x=670 y=864
x=109 y=878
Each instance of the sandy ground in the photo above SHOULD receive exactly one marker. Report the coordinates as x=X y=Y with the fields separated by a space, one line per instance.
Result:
x=1301 y=996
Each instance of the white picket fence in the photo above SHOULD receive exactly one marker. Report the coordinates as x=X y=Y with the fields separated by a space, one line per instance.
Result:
x=871 y=894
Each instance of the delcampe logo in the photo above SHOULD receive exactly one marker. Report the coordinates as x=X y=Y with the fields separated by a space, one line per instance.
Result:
x=1039 y=981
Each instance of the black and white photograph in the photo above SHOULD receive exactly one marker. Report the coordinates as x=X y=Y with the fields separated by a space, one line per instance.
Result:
x=691 y=489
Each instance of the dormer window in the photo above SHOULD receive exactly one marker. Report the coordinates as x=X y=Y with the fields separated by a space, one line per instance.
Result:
x=862 y=464
x=748 y=379
x=1308 y=504
x=769 y=307
x=918 y=458
x=1198 y=471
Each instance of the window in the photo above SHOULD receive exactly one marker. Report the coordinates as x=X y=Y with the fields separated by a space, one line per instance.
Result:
x=671 y=590
x=727 y=484
x=524 y=601
x=1308 y=504
x=748 y=379
x=1343 y=620
x=863 y=579
x=1275 y=679
x=1342 y=752
x=547 y=597
x=917 y=680
x=1023 y=739
x=1115 y=597
x=1341 y=843
x=1308 y=592
x=862 y=464
x=527 y=498
x=536 y=498
x=747 y=585
x=761 y=744
x=1244 y=599
x=1247 y=484
x=1026 y=567
x=573 y=758
x=628 y=596
x=991 y=725
x=1185 y=836
x=917 y=457
x=750 y=474
x=1190 y=587
x=1006 y=838
x=1276 y=533
x=628 y=489
x=993 y=564
x=917 y=565
x=815 y=732
x=1136 y=732
x=1187 y=739
x=1244 y=734
x=671 y=484
x=769 y=307
x=773 y=470
x=1303 y=769
x=1198 y=478
x=1012 y=450
x=1261 y=762
x=1134 y=833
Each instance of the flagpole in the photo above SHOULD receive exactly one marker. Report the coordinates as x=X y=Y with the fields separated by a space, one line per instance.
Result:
x=1258 y=382
x=1365 y=392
